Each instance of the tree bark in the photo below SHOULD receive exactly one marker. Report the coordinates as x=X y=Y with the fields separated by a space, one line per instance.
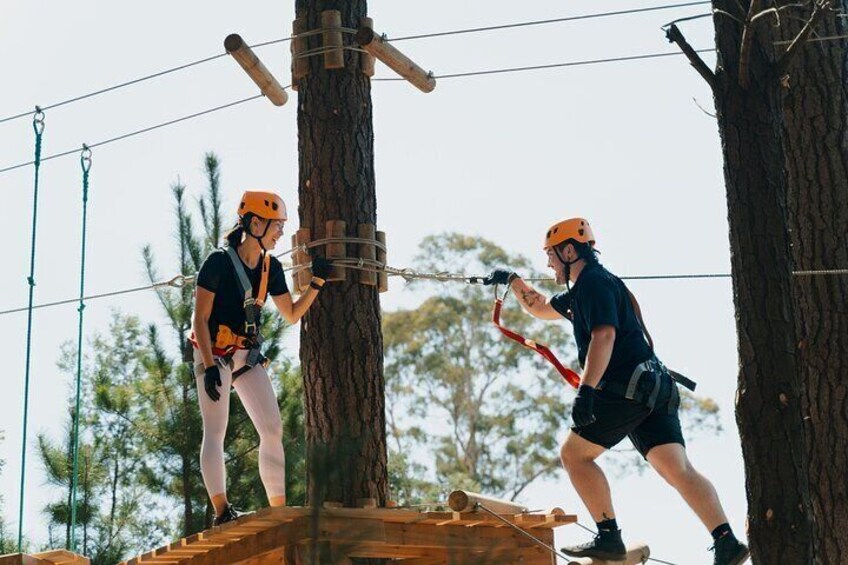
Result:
x=768 y=406
x=815 y=136
x=341 y=348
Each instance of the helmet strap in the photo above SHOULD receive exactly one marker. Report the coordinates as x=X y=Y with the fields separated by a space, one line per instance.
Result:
x=258 y=238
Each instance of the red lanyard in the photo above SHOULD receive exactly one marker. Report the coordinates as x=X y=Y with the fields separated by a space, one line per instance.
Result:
x=567 y=374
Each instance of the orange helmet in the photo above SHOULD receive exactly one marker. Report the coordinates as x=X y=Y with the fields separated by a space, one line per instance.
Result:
x=267 y=205
x=577 y=229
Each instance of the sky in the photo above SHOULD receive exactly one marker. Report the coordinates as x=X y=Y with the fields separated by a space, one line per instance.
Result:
x=625 y=144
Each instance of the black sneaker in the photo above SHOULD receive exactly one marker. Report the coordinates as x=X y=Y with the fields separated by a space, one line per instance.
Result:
x=607 y=546
x=729 y=551
x=228 y=515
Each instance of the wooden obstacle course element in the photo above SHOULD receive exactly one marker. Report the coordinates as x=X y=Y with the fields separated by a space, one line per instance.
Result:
x=55 y=557
x=636 y=554
x=291 y=535
x=367 y=245
x=254 y=68
x=299 y=65
x=367 y=61
x=301 y=278
x=331 y=24
x=466 y=501
x=382 y=276
x=336 y=230
x=374 y=45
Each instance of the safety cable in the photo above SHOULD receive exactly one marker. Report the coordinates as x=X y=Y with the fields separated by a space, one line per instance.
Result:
x=406 y=273
x=38 y=127
x=345 y=30
x=85 y=165
x=551 y=21
x=523 y=532
x=139 y=132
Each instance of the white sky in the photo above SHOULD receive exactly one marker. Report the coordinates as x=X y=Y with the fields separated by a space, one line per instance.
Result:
x=501 y=156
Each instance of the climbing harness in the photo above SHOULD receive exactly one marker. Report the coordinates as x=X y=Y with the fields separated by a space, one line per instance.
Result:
x=38 y=127
x=251 y=338
x=85 y=164
x=567 y=374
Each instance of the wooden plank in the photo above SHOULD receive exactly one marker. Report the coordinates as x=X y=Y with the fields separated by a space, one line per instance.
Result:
x=273 y=557
x=367 y=251
x=367 y=62
x=383 y=285
x=336 y=229
x=255 y=69
x=331 y=23
x=299 y=65
x=394 y=59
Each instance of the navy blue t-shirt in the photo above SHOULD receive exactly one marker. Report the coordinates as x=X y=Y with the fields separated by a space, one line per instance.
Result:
x=599 y=298
x=218 y=275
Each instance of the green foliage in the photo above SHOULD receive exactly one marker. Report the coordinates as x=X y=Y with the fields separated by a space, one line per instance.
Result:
x=490 y=412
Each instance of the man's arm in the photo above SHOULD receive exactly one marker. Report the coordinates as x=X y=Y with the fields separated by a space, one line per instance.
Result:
x=534 y=302
x=598 y=356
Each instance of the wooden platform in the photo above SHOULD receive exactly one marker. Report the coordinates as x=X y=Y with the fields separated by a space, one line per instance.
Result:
x=331 y=536
x=57 y=557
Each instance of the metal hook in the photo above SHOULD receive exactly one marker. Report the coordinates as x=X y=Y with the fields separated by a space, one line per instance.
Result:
x=38 y=120
x=85 y=158
x=177 y=282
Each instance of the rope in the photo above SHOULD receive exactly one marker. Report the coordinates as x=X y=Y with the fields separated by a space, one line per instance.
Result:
x=38 y=127
x=552 y=21
x=139 y=132
x=85 y=164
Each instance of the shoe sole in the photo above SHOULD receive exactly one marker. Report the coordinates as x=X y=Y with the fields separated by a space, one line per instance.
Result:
x=617 y=557
x=741 y=558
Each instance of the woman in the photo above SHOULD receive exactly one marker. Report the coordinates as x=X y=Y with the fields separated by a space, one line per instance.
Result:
x=232 y=285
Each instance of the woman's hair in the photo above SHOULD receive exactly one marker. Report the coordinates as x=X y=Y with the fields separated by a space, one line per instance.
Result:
x=233 y=237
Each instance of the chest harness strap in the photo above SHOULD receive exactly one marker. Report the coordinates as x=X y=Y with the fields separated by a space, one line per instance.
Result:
x=251 y=338
x=567 y=374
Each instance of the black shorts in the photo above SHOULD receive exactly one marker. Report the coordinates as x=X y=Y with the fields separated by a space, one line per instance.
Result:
x=617 y=417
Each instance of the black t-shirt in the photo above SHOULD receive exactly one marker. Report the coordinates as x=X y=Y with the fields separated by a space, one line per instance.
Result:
x=599 y=298
x=218 y=275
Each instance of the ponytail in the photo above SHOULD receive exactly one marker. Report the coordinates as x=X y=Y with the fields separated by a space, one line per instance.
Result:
x=233 y=237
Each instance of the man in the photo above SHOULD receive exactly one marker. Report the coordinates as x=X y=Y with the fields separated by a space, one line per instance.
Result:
x=624 y=391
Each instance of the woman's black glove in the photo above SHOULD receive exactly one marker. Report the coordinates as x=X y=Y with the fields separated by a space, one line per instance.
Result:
x=211 y=381
x=583 y=411
x=321 y=267
x=500 y=276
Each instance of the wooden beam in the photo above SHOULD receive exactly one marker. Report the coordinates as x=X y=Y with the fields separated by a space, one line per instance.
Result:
x=463 y=501
x=394 y=59
x=254 y=68
x=636 y=554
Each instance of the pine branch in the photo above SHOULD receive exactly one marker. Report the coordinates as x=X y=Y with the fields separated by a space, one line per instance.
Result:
x=674 y=35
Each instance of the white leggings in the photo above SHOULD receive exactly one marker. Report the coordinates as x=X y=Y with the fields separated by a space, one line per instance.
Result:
x=259 y=400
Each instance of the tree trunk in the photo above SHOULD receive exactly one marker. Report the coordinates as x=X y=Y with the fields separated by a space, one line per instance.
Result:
x=815 y=110
x=768 y=407
x=341 y=348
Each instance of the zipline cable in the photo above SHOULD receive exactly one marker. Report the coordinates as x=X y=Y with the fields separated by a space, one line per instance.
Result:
x=378 y=79
x=38 y=127
x=118 y=86
x=403 y=38
x=85 y=164
x=139 y=132
x=550 y=21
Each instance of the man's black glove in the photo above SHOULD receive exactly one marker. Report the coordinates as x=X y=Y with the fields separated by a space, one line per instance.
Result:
x=583 y=412
x=500 y=276
x=321 y=267
x=211 y=381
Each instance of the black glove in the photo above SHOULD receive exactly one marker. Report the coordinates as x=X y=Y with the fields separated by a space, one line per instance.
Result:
x=500 y=276
x=583 y=412
x=211 y=381
x=321 y=267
